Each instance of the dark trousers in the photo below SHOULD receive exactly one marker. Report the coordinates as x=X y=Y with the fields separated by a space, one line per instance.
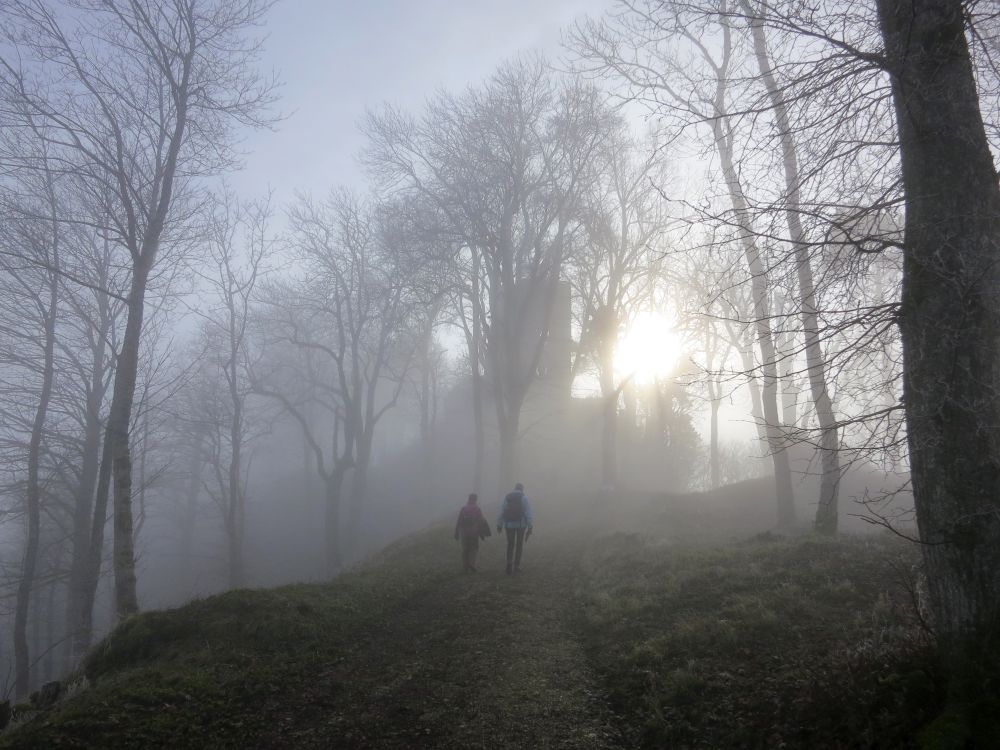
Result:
x=515 y=542
x=470 y=546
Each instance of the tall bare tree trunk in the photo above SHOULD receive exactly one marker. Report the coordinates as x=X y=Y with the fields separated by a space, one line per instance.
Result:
x=331 y=523
x=33 y=491
x=826 y=512
x=84 y=627
x=609 y=422
x=789 y=388
x=90 y=462
x=769 y=374
x=950 y=322
x=83 y=505
x=29 y=564
x=235 y=523
x=189 y=519
x=119 y=427
x=609 y=441
x=48 y=664
x=509 y=443
x=713 y=441
x=753 y=386
x=475 y=355
x=480 y=429
x=426 y=405
x=784 y=494
x=359 y=487
x=630 y=420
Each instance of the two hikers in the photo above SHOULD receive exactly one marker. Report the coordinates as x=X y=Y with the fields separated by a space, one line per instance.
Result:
x=515 y=516
x=470 y=527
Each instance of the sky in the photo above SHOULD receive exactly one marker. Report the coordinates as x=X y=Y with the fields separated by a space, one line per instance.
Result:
x=338 y=58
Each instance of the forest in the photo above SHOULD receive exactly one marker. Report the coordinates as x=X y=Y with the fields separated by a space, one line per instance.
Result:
x=716 y=280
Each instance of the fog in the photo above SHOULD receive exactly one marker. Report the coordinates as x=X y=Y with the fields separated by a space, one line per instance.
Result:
x=375 y=258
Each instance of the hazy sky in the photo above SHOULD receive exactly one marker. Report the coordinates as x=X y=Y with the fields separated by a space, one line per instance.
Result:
x=339 y=57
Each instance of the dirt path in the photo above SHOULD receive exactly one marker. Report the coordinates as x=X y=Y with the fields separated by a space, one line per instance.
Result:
x=481 y=660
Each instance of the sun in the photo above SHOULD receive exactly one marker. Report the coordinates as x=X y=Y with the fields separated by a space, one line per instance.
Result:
x=649 y=348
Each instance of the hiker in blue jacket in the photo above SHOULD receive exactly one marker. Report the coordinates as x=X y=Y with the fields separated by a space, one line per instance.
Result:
x=515 y=516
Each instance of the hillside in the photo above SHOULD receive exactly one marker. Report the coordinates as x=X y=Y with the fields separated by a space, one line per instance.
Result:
x=608 y=638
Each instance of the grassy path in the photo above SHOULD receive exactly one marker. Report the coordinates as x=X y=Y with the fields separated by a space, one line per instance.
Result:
x=482 y=660
x=612 y=636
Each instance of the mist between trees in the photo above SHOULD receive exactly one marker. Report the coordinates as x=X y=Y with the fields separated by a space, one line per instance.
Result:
x=361 y=360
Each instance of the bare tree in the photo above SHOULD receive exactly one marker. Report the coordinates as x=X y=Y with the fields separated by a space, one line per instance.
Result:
x=505 y=165
x=704 y=291
x=81 y=74
x=949 y=318
x=613 y=273
x=682 y=63
x=348 y=326
x=826 y=513
x=34 y=288
x=238 y=246
x=93 y=320
x=939 y=162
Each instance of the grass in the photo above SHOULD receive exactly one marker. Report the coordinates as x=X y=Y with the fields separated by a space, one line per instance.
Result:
x=772 y=643
x=219 y=672
x=605 y=640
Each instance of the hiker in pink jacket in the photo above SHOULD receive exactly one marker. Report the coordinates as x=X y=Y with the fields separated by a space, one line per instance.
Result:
x=469 y=527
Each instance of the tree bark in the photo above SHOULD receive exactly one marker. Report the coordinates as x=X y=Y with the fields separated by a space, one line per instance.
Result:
x=33 y=498
x=756 y=400
x=784 y=493
x=426 y=406
x=713 y=441
x=609 y=442
x=84 y=628
x=189 y=519
x=358 y=486
x=235 y=512
x=475 y=354
x=331 y=523
x=48 y=663
x=119 y=427
x=949 y=319
x=826 y=512
x=479 y=427
x=509 y=443
x=83 y=506
x=610 y=395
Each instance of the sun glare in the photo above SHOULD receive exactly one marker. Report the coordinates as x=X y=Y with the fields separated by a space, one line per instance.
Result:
x=649 y=349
